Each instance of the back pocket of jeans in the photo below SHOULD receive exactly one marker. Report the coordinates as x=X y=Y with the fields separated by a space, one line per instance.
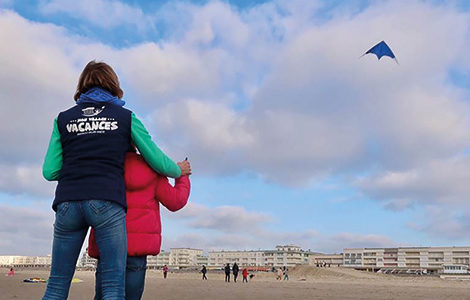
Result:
x=62 y=208
x=99 y=206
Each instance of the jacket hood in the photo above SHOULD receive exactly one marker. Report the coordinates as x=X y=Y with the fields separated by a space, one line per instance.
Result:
x=99 y=95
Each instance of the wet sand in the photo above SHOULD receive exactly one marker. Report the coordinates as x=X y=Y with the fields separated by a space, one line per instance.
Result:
x=304 y=283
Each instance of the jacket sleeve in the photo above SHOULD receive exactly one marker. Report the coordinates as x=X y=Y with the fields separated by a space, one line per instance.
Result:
x=53 y=160
x=92 y=247
x=173 y=198
x=155 y=157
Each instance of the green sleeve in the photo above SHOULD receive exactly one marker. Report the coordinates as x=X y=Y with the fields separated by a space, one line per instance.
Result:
x=152 y=154
x=53 y=160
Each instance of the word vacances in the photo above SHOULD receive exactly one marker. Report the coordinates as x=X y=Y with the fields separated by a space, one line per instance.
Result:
x=89 y=125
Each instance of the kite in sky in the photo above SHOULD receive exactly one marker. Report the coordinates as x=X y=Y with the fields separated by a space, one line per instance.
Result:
x=381 y=49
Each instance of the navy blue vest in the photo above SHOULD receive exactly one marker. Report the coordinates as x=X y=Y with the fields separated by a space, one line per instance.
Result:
x=95 y=139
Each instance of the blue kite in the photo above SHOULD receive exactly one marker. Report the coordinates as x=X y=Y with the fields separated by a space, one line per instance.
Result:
x=382 y=49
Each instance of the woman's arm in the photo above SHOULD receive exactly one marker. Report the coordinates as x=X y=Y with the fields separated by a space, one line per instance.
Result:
x=155 y=157
x=53 y=160
x=173 y=198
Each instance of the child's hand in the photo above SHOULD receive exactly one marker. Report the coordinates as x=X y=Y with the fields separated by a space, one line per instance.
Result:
x=185 y=167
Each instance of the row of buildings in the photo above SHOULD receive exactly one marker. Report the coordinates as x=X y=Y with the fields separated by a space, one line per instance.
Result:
x=25 y=261
x=288 y=255
x=424 y=258
x=429 y=258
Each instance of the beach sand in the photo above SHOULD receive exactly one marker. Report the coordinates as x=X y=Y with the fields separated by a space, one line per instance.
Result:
x=304 y=283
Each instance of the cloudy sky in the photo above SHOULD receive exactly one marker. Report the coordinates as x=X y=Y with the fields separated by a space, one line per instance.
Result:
x=292 y=137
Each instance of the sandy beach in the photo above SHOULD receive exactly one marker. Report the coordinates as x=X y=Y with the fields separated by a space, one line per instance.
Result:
x=305 y=283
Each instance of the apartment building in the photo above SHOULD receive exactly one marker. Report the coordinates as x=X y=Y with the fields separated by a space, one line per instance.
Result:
x=184 y=257
x=176 y=257
x=156 y=261
x=245 y=258
x=332 y=260
x=25 y=261
x=202 y=260
x=87 y=261
x=430 y=258
x=286 y=255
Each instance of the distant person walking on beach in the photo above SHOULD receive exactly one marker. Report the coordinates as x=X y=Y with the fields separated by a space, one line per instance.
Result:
x=165 y=271
x=204 y=271
x=227 y=273
x=235 y=271
x=245 y=275
x=145 y=191
x=286 y=273
x=86 y=156
x=279 y=274
x=11 y=273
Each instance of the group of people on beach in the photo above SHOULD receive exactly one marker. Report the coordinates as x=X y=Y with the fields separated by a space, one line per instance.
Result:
x=284 y=271
x=235 y=271
x=111 y=177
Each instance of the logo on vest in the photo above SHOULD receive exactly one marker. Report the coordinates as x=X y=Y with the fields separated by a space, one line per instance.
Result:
x=91 y=125
x=92 y=111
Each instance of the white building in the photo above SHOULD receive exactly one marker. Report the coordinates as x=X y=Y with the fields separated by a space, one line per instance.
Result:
x=331 y=260
x=177 y=258
x=25 y=261
x=202 y=260
x=157 y=261
x=184 y=257
x=86 y=261
x=244 y=258
x=430 y=258
x=288 y=255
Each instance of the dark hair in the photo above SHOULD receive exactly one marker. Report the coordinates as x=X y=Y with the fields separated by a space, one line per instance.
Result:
x=98 y=74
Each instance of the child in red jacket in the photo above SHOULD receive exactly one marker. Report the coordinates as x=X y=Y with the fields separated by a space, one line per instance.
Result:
x=145 y=190
x=245 y=275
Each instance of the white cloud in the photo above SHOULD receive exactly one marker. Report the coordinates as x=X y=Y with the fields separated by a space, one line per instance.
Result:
x=25 y=179
x=319 y=110
x=235 y=228
x=25 y=231
x=101 y=13
x=222 y=218
x=444 y=223
x=37 y=80
x=269 y=89
x=437 y=182
x=326 y=243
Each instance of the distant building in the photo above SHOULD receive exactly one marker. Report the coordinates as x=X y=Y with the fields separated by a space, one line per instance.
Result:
x=177 y=258
x=86 y=261
x=429 y=258
x=25 y=261
x=184 y=257
x=156 y=261
x=245 y=258
x=332 y=260
x=287 y=255
x=202 y=260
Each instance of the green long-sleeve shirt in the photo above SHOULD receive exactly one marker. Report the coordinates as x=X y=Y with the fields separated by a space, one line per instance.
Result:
x=155 y=157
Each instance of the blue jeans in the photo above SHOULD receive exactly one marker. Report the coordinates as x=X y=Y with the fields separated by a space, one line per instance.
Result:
x=135 y=278
x=72 y=220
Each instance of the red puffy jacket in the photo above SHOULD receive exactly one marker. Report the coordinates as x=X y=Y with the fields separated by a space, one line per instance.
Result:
x=145 y=189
